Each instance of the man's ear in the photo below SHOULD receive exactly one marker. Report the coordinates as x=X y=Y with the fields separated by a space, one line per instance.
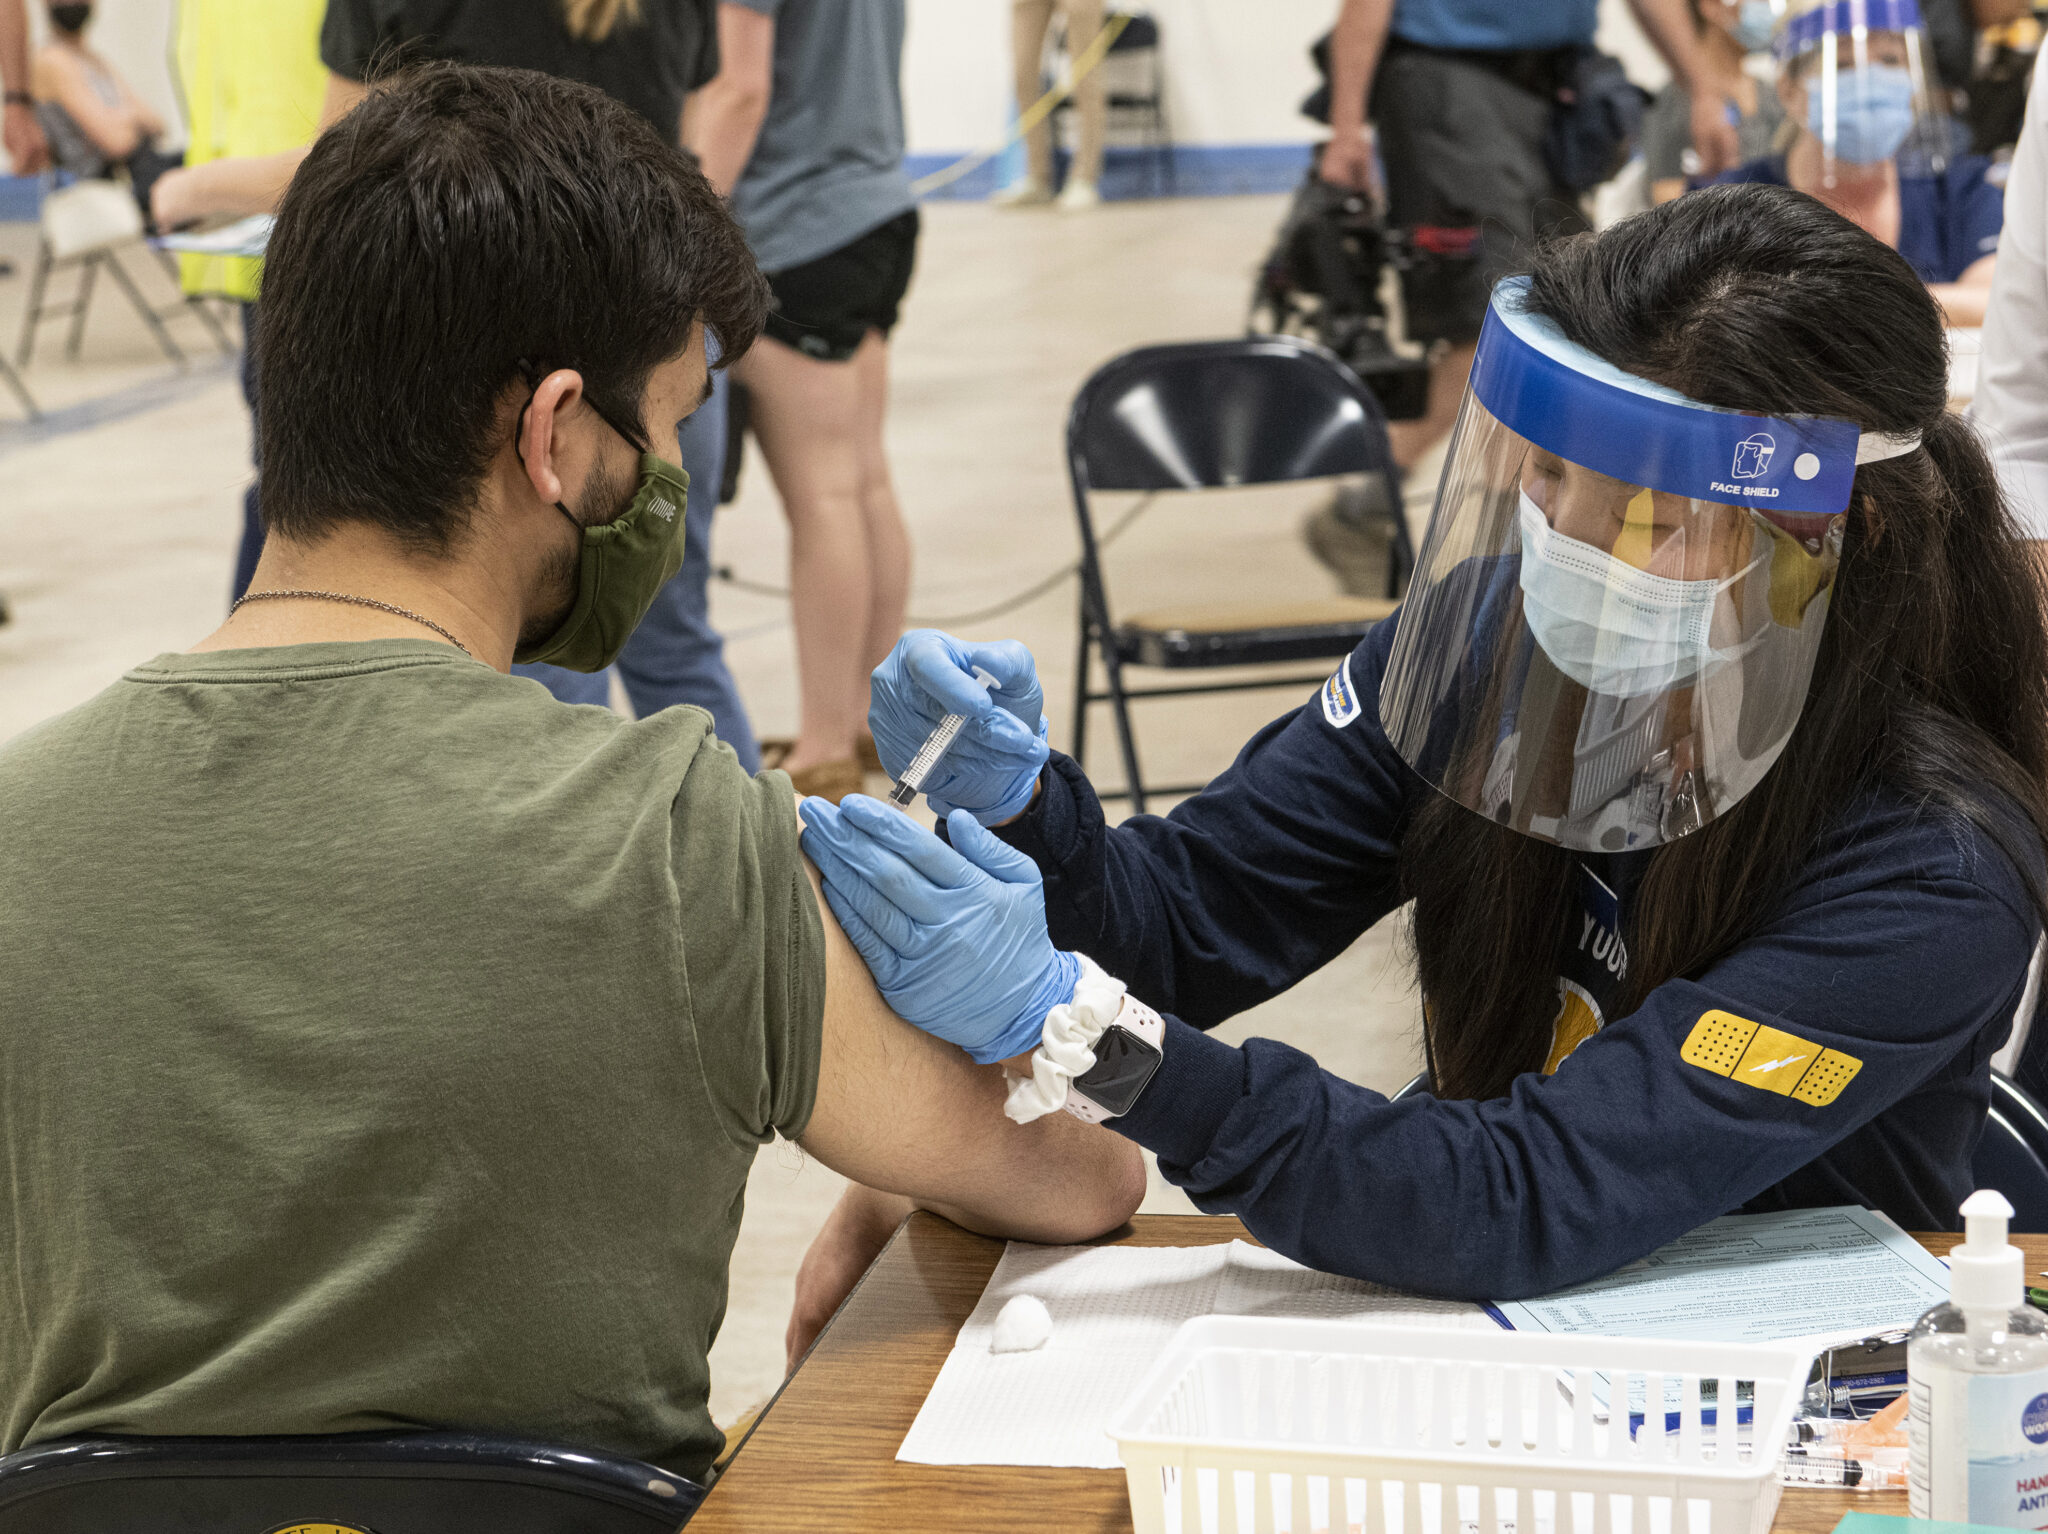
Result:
x=537 y=436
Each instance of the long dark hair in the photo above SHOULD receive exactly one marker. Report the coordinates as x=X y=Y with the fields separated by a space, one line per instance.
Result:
x=1933 y=672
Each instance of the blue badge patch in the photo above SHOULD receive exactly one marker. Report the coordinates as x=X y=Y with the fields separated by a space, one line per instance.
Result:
x=1340 y=698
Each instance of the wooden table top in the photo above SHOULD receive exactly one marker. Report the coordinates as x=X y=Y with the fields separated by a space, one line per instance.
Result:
x=823 y=1454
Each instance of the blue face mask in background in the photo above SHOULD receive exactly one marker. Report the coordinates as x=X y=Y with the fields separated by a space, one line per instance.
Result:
x=1754 y=24
x=1873 y=112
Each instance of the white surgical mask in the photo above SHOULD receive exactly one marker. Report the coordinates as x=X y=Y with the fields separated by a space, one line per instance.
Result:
x=1608 y=626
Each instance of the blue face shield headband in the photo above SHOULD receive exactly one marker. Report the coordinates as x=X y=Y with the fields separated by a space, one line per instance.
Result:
x=1621 y=597
x=1797 y=471
x=1843 y=20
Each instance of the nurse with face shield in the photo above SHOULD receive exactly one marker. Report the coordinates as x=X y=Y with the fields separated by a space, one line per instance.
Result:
x=1621 y=598
x=1871 y=136
x=1706 y=753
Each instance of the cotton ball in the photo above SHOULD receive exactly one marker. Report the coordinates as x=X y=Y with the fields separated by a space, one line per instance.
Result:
x=1022 y=1326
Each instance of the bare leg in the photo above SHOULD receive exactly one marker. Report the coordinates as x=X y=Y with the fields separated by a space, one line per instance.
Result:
x=1029 y=20
x=809 y=419
x=1084 y=20
x=888 y=540
x=1448 y=372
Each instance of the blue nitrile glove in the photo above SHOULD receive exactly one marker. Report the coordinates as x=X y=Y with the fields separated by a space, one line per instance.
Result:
x=955 y=936
x=994 y=762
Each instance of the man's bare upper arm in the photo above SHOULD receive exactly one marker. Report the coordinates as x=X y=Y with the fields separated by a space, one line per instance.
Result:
x=907 y=1113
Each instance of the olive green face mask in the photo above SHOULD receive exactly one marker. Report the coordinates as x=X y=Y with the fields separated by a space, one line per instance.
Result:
x=625 y=563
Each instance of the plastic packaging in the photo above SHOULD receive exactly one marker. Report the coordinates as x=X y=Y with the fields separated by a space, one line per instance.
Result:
x=1978 y=1386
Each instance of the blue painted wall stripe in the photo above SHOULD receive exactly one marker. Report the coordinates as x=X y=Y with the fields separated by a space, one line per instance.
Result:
x=1128 y=171
x=1132 y=171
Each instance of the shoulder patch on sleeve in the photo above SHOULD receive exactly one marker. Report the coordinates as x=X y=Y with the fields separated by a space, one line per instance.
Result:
x=1340 y=698
x=1769 y=1059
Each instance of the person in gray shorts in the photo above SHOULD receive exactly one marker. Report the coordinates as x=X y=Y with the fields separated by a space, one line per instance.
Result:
x=804 y=128
x=1443 y=108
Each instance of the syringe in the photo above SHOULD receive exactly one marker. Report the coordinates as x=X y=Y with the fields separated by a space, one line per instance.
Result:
x=936 y=744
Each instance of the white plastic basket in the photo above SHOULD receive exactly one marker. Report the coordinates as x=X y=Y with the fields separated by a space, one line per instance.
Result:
x=1266 y=1425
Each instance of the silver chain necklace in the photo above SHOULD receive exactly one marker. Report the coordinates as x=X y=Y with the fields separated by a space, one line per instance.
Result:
x=338 y=596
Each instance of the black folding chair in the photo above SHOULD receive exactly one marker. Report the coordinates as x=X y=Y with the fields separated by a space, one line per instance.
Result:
x=369 y=1483
x=1203 y=415
x=1141 y=102
x=2013 y=1155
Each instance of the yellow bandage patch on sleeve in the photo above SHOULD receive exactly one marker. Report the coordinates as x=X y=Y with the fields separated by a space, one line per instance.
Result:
x=1775 y=1061
x=1717 y=1041
x=1768 y=1058
x=1830 y=1073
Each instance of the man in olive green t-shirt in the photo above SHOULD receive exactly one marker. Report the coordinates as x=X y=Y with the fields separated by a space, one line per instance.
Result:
x=383 y=1043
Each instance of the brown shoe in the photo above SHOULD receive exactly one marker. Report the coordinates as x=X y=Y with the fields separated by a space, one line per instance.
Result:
x=829 y=780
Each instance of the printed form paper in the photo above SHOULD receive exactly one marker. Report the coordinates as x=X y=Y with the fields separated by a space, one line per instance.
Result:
x=1114 y=1309
x=1829 y=1274
x=245 y=237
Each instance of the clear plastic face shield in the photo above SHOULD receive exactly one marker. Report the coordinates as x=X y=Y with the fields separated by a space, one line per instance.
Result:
x=1753 y=24
x=1858 y=75
x=1617 y=609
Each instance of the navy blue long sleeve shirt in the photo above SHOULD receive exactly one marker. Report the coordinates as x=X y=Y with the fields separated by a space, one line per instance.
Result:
x=1841 y=1055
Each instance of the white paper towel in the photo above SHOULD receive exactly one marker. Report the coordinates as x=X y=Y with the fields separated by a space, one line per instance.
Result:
x=1114 y=1308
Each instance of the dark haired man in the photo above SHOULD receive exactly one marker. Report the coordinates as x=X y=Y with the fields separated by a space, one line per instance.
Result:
x=381 y=1042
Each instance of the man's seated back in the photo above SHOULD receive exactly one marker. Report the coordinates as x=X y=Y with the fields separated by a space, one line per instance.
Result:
x=383 y=1043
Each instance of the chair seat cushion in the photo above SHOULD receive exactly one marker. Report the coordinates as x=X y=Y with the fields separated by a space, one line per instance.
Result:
x=1245 y=634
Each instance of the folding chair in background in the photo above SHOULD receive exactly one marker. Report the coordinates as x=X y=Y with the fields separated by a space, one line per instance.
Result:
x=83 y=227
x=19 y=390
x=1202 y=415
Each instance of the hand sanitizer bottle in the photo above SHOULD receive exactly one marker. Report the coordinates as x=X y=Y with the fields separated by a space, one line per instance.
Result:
x=1977 y=1371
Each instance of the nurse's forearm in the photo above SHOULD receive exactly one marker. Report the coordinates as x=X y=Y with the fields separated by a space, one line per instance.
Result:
x=1961 y=306
x=1964 y=301
x=235 y=188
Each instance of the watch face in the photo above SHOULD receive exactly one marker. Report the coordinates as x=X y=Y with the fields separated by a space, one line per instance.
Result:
x=1123 y=1064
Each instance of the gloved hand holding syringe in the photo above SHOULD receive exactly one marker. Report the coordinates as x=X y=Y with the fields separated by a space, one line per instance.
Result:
x=912 y=782
x=961 y=723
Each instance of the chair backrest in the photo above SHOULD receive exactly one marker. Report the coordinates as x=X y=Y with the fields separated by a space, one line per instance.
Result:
x=1141 y=31
x=1415 y=1086
x=1253 y=410
x=2013 y=1155
x=377 y=1483
x=89 y=216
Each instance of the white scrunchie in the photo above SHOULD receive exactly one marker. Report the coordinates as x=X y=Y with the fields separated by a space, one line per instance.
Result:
x=1067 y=1046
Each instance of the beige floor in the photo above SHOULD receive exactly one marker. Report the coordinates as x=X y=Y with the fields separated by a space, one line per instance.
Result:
x=115 y=543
